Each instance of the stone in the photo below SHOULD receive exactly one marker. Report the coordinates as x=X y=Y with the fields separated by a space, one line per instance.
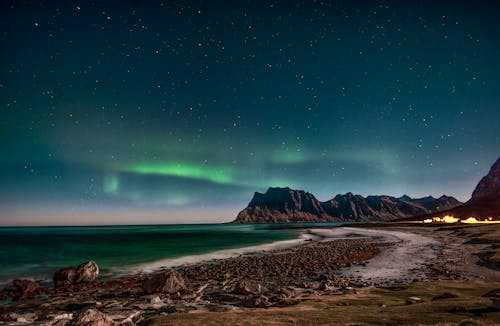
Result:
x=412 y=300
x=61 y=320
x=64 y=276
x=92 y=317
x=24 y=289
x=84 y=273
x=326 y=286
x=170 y=282
x=155 y=300
x=64 y=316
x=247 y=287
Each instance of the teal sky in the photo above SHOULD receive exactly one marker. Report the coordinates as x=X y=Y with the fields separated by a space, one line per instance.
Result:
x=169 y=112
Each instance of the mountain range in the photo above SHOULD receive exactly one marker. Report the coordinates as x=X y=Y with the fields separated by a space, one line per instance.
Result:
x=285 y=205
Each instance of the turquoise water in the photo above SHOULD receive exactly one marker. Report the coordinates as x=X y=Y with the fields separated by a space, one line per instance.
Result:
x=36 y=252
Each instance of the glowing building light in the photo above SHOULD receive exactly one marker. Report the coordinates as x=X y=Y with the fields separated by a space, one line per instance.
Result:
x=450 y=219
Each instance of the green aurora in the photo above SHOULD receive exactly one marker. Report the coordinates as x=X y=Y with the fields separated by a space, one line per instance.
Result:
x=179 y=109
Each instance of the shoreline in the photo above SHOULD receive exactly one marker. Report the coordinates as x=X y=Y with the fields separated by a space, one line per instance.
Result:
x=340 y=261
x=189 y=259
x=207 y=258
x=182 y=261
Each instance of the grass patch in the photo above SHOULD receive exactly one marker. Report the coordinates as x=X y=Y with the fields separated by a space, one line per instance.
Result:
x=368 y=307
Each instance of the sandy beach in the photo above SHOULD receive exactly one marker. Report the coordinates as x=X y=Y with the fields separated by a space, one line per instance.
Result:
x=324 y=264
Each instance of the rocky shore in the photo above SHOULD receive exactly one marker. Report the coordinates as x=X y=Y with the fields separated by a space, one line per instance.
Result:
x=278 y=278
x=360 y=259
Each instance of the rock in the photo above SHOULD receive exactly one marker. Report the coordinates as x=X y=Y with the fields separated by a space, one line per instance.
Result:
x=84 y=273
x=155 y=300
x=412 y=300
x=129 y=321
x=247 y=287
x=169 y=282
x=286 y=293
x=92 y=317
x=24 y=289
x=326 y=286
x=260 y=301
x=27 y=318
x=64 y=316
x=61 y=320
x=64 y=276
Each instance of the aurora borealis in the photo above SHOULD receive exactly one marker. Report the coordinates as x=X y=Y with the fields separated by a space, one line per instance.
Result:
x=177 y=111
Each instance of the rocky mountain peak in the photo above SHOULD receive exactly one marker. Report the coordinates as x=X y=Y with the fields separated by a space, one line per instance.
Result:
x=489 y=186
x=285 y=205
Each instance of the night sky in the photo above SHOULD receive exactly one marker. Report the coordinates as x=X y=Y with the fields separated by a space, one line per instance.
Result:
x=177 y=111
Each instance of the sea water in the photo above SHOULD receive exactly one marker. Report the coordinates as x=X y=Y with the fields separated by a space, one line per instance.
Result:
x=36 y=252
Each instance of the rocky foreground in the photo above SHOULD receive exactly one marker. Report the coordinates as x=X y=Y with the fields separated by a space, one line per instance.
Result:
x=273 y=279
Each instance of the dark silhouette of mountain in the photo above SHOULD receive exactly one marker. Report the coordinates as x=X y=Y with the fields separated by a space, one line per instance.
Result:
x=485 y=200
x=489 y=186
x=285 y=205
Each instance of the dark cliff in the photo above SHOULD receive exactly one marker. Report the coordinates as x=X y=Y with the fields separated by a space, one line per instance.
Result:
x=285 y=205
x=485 y=200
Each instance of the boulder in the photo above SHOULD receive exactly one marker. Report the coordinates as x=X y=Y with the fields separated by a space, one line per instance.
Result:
x=84 y=273
x=92 y=317
x=24 y=289
x=64 y=276
x=247 y=287
x=169 y=282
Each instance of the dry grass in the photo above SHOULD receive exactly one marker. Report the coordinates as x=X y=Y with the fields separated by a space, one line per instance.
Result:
x=489 y=234
x=365 y=308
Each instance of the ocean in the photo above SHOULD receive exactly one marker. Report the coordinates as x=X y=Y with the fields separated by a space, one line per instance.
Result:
x=37 y=252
